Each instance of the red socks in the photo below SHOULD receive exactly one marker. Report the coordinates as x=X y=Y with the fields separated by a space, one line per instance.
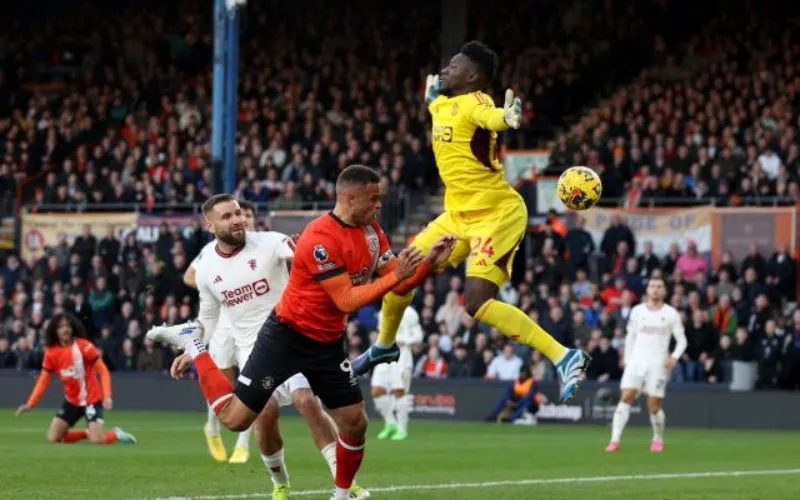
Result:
x=109 y=437
x=74 y=436
x=217 y=389
x=348 y=461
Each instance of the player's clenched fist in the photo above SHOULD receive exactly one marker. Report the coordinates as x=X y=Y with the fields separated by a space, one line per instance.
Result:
x=407 y=262
x=440 y=251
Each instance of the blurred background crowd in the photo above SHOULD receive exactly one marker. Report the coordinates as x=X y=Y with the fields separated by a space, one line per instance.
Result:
x=109 y=109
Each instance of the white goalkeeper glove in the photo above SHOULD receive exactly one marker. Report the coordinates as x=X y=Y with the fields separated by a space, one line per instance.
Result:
x=512 y=110
x=431 y=88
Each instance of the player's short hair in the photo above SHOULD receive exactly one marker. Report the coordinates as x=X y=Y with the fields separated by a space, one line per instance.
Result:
x=248 y=205
x=215 y=200
x=483 y=56
x=657 y=278
x=357 y=175
x=51 y=333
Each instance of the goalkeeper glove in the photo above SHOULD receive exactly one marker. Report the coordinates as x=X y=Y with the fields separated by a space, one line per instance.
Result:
x=512 y=110
x=431 y=88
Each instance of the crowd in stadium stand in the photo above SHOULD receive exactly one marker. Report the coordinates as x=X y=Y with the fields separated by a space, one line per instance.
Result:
x=736 y=312
x=121 y=113
x=718 y=121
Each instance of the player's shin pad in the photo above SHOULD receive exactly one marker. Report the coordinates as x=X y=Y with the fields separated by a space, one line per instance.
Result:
x=516 y=325
x=391 y=314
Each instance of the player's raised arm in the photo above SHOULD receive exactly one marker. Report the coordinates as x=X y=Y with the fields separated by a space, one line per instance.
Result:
x=336 y=282
x=435 y=260
x=487 y=116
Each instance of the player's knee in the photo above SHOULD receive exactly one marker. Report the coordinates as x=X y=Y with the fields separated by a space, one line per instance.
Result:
x=97 y=439
x=399 y=393
x=354 y=425
x=378 y=392
x=234 y=421
x=53 y=437
x=305 y=402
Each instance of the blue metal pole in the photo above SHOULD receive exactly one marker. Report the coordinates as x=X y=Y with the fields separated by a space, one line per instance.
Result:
x=231 y=94
x=218 y=95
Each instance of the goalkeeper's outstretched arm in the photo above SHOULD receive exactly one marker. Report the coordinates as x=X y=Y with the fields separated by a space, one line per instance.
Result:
x=487 y=116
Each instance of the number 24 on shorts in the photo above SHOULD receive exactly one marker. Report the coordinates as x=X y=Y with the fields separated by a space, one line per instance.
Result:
x=486 y=249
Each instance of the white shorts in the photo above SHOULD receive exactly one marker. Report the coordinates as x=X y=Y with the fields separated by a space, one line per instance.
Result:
x=392 y=376
x=649 y=378
x=222 y=348
x=283 y=394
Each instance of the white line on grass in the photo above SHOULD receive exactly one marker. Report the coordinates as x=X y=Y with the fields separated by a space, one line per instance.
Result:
x=524 y=482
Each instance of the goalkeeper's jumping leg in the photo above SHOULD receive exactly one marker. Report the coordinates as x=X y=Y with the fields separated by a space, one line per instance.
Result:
x=385 y=350
x=480 y=303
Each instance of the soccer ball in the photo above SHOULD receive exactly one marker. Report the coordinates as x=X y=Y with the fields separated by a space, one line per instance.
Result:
x=579 y=188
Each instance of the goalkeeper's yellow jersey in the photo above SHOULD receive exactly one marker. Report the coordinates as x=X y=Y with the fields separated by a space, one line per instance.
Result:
x=465 y=146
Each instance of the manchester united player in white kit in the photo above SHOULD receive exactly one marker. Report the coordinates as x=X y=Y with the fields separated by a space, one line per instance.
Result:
x=222 y=348
x=244 y=274
x=647 y=360
x=391 y=382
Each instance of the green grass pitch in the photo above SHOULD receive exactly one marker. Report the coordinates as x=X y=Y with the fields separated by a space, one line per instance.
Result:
x=469 y=461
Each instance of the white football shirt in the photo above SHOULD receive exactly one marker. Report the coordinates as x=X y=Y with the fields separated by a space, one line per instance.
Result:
x=649 y=333
x=409 y=332
x=246 y=284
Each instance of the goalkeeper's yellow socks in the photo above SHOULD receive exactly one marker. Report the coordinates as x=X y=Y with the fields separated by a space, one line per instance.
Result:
x=516 y=325
x=391 y=314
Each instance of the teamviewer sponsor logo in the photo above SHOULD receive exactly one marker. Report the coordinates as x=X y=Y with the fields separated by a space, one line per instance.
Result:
x=232 y=298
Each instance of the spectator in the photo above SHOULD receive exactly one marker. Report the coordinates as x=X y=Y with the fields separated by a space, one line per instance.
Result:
x=506 y=366
x=148 y=359
x=770 y=357
x=461 y=365
x=691 y=263
x=605 y=361
x=521 y=398
x=432 y=365
x=450 y=313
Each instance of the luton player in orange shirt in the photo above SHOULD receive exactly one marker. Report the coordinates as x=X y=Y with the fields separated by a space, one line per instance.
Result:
x=77 y=363
x=485 y=214
x=342 y=262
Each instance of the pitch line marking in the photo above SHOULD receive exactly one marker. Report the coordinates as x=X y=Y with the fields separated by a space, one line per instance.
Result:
x=523 y=482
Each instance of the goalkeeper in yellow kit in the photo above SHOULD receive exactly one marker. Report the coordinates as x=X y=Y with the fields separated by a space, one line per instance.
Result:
x=485 y=214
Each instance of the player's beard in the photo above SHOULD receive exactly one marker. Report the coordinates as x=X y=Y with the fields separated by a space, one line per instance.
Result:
x=232 y=238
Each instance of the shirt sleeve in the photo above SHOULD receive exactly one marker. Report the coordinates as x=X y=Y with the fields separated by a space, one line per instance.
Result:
x=630 y=339
x=89 y=352
x=679 y=333
x=485 y=115
x=48 y=364
x=208 y=313
x=322 y=254
x=285 y=247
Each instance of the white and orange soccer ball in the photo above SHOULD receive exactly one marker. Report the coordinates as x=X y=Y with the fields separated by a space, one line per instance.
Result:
x=579 y=188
